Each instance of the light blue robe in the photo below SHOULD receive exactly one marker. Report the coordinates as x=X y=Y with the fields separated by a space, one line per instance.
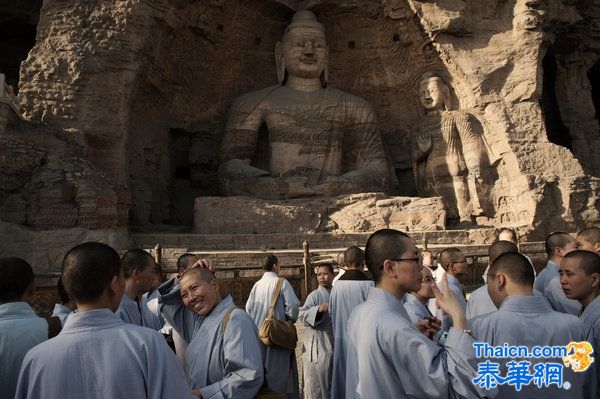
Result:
x=543 y=279
x=317 y=349
x=456 y=287
x=223 y=366
x=479 y=303
x=98 y=356
x=151 y=316
x=280 y=363
x=558 y=300
x=130 y=311
x=20 y=330
x=389 y=358
x=346 y=295
x=415 y=309
x=62 y=312
x=530 y=321
x=591 y=331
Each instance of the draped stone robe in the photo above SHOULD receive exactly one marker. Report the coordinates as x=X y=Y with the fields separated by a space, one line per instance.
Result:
x=530 y=321
x=317 y=349
x=345 y=296
x=280 y=364
x=389 y=358
x=221 y=365
x=98 y=356
x=312 y=136
x=591 y=331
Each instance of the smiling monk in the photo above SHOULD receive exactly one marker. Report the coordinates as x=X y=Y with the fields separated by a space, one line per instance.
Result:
x=223 y=355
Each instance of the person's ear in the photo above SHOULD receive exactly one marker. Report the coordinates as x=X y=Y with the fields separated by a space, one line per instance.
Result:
x=388 y=268
x=325 y=74
x=500 y=281
x=135 y=274
x=595 y=280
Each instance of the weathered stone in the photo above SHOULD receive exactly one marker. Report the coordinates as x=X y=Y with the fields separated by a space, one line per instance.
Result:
x=145 y=88
x=342 y=214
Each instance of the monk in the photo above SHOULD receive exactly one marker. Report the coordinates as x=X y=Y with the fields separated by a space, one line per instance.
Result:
x=97 y=355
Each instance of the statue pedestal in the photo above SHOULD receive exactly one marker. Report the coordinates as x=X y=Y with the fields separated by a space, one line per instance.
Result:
x=353 y=213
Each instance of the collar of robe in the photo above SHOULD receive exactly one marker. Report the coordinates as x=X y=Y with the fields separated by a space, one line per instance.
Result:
x=96 y=319
x=354 y=274
x=16 y=309
x=525 y=304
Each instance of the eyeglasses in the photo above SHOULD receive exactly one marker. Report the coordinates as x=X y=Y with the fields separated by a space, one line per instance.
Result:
x=417 y=260
x=460 y=261
x=429 y=280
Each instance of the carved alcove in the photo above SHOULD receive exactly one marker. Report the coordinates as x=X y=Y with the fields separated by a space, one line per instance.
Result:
x=207 y=53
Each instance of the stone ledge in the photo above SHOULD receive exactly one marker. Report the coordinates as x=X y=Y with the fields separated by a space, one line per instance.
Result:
x=356 y=213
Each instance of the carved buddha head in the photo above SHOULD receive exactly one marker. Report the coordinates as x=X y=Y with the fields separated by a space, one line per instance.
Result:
x=303 y=51
x=433 y=92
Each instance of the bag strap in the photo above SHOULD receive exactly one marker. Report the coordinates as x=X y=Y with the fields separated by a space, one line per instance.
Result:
x=226 y=319
x=275 y=297
x=54 y=326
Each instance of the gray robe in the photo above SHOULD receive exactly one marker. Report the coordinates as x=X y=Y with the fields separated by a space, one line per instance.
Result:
x=317 y=349
x=530 y=321
x=98 y=356
x=280 y=364
x=415 y=309
x=548 y=273
x=20 y=330
x=389 y=358
x=345 y=296
x=479 y=303
x=62 y=312
x=456 y=287
x=151 y=316
x=558 y=300
x=224 y=366
x=130 y=311
x=591 y=331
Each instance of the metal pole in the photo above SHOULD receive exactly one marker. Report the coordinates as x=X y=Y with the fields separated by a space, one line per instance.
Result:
x=306 y=262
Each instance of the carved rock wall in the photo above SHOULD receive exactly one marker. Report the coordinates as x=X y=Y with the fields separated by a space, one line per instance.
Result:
x=46 y=183
x=148 y=84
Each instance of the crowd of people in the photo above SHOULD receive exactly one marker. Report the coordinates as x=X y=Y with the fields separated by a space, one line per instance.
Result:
x=394 y=323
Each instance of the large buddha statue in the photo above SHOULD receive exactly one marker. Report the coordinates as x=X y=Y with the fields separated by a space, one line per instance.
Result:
x=301 y=137
x=450 y=153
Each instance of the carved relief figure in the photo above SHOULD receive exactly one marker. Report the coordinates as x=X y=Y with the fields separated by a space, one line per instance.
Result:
x=320 y=141
x=449 y=147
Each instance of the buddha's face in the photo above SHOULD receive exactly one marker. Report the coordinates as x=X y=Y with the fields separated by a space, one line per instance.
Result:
x=304 y=52
x=431 y=94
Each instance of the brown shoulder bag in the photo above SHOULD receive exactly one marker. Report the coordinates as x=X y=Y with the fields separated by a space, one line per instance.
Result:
x=273 y=332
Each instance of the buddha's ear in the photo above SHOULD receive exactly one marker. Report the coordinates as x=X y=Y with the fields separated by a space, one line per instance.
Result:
x=279 y=64
x=325 y=74
x=447 y=97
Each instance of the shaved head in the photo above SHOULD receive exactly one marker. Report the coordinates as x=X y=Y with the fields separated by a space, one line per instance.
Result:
x=382 y=245
x=354 y=257
x=590 y=234
x=507 y=235
x=516 y=266
x=589 y=261
x=449 y=255
x=501 y=247
x=202 y=273
x=559 y=239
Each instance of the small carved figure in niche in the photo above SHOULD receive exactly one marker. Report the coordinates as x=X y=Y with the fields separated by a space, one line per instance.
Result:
x=320 y=141
x=449 y=145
